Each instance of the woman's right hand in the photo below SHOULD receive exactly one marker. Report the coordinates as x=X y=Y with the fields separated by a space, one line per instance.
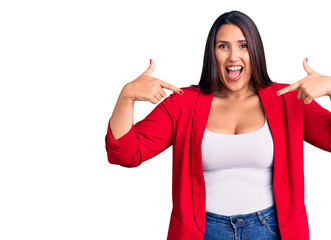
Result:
x=147 y=88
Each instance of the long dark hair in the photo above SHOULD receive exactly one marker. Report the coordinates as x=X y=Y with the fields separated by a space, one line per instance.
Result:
x=209 y=81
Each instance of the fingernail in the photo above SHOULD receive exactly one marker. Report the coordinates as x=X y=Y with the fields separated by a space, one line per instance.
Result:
x=278 y=93
x=306 y=60
x=181 y=91
x=150 y=61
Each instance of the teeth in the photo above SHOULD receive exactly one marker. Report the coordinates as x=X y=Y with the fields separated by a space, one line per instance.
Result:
x=233 y=68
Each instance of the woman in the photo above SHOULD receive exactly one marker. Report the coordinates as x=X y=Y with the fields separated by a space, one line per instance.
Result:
x=237 y=145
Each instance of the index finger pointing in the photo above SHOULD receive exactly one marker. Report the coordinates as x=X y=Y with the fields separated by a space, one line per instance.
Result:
x=171 y=87
x=287 y=89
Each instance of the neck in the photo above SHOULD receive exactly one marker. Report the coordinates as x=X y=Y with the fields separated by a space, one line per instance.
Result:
x=239 y=95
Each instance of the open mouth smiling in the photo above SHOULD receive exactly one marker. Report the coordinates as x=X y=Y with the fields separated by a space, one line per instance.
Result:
x=234 y=72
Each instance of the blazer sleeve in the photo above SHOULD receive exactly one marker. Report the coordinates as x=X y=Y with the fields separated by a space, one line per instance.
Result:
x=145 y=139
x=317 y=125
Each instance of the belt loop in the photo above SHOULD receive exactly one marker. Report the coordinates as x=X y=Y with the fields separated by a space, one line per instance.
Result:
x=260 y=217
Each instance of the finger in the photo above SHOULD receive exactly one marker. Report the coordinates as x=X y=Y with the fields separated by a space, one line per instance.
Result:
x=304 y=96
x=308 y=69
x=153 y=100
x=171 y=87
x=150 y=68
x=301 y=94
x=157 y=96
x=308 y=100
x=162 y=92
x=289 y=88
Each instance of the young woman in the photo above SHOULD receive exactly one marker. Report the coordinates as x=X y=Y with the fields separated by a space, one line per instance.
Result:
x=237 y=143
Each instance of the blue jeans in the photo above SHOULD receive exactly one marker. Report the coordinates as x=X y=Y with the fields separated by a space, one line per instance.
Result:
x=260 y=225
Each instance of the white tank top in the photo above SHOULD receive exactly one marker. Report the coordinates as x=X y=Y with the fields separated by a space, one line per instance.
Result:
x=238 y=171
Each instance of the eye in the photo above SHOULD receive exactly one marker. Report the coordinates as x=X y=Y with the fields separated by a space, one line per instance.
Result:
x=221 y=46
x=244 y=45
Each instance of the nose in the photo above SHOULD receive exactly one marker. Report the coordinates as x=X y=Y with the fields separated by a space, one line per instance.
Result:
x=234 y=56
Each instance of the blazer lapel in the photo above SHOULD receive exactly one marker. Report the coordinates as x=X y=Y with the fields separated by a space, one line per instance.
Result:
x=276 y=121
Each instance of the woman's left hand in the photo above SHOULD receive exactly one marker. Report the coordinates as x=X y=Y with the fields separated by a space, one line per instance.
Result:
x=313 y=86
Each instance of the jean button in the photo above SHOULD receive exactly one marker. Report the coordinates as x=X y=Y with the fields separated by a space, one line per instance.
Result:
x=237 y=220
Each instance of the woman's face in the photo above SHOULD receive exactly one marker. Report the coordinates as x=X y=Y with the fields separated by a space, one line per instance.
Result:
x=231 y=51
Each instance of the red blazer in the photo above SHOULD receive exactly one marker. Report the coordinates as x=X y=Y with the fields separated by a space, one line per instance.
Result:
x=180 y=121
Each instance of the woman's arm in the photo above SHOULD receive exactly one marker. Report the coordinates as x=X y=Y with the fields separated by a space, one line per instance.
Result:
x=316 y=120
x=145 y=139
x=122 y=117
x=317 y=125
x=129 y=145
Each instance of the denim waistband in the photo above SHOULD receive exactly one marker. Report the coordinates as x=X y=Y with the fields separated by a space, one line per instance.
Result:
x=242 y=219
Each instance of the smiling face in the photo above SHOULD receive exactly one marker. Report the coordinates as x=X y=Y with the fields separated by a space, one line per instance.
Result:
x=233 y=61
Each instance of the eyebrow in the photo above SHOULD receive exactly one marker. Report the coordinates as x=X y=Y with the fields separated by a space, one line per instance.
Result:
x=228 y=42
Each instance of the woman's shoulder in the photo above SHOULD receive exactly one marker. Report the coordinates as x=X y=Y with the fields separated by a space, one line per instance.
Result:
x=289 y=97
x=190 y=89
x=183 y=101
x=277 y=86
x=189 y=92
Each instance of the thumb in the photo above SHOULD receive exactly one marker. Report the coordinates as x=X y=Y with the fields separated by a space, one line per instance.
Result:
x=308 y=69
x=150 y=68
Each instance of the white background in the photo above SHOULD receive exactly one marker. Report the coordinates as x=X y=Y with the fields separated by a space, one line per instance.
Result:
x=62 y=67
